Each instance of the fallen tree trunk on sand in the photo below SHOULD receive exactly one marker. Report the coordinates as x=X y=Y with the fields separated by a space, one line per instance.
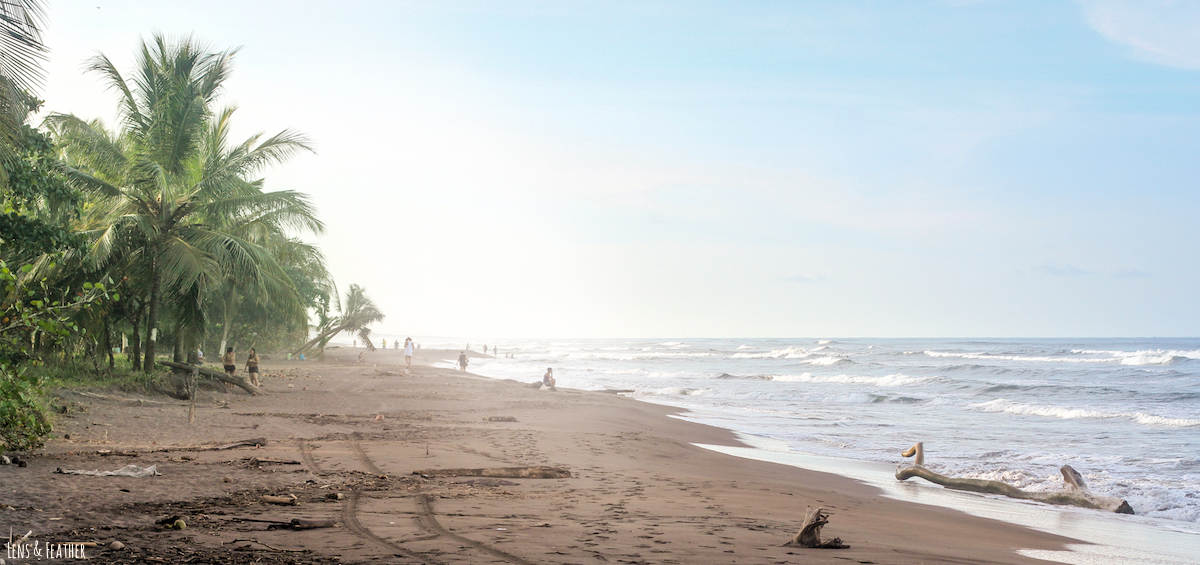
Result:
x=254 y=442
x=810 y=531
x=501 y=472
x=1076 y=493
x=213 y=374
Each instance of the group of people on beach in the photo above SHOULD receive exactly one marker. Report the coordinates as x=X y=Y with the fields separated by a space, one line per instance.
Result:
x=229 y=363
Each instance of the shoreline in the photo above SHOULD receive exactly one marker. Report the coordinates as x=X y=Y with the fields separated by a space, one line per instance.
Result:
x=641 y=489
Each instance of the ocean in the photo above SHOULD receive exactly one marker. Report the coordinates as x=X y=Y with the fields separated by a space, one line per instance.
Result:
x=1123 y=412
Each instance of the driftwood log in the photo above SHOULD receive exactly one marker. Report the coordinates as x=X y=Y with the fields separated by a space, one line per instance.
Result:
x=289 y=500
x=1076 y=493
x=218 y=375
x=810 y=531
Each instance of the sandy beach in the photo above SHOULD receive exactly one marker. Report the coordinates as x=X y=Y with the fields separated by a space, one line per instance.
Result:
x=362 y=444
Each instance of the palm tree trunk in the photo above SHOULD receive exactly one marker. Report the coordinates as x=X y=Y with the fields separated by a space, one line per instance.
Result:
x=179 y=355
x=230 y=306
x=135 y=345
x=152 y=317
x=108 y=343
x=324 y=335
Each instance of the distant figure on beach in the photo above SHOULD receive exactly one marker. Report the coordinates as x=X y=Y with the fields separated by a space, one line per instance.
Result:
x=360 y=357
x=356 y=343
x=462 y=361
x=301 y=356
x=408 y=351
x=252 y=367
x=383 y=344
x=396 y=344
x=548 y=379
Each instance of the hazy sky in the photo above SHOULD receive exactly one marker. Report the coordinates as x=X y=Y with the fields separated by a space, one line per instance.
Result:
x=720 y=169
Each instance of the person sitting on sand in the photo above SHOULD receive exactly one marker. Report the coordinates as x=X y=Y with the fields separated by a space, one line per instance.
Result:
x=548 y=379
x=408 y=351
x=462 y=361
x=252 y=367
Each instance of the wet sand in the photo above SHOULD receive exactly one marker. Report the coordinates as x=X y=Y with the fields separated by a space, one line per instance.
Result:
x=638 y=492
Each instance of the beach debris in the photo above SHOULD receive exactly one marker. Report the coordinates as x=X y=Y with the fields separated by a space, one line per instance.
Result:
x=289 y=500
x=500 y=419
x=307 y=524
x=116 y=546
x=334 y=496
x=379 y=417
x=488 y=482
x=126 y=471
x=254 y=442
x=387 y=373
x=810 y=531
x=293 y=524
x=1075 y=494
x=539 y=472
x=14 y=460
x=114 y=452
x=258 y=461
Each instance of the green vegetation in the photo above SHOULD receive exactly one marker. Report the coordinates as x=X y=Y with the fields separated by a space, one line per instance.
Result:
x=159 y=231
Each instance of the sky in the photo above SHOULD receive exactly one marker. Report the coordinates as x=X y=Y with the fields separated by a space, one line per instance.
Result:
x=534 y=168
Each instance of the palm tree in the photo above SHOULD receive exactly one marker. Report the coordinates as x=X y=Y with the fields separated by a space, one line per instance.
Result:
x=176 y=202
x=21 y=56
x=355 y=313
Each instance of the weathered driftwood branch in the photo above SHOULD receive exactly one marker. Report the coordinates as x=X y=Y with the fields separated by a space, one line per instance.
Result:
x=214 y=374
x=289 y=500
x=255 y=442
x=810 y=531
x=1076 y=493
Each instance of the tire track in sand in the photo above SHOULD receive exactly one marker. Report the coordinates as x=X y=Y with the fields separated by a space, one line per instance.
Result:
x=362 y=457
x=425 y=518
x=350 y=519
x=307 y=458
x=429 y=522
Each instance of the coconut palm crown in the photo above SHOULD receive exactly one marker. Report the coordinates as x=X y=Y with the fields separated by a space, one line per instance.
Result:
x=174 y=201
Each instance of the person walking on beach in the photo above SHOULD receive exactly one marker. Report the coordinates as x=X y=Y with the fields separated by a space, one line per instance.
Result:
x=252 y=367
x=230 y=366
x=408 y=351
x=462 y=361
x=383 y=344
x=548 y=380
x=229 y=361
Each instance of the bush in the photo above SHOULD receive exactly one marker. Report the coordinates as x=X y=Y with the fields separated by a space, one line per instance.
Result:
x=24 y=413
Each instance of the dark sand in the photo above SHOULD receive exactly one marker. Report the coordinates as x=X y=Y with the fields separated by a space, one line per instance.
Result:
x=639 y=492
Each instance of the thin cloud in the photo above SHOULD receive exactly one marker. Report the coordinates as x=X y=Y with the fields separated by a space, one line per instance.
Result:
x=1164 y=32
x=1132 y=274
x=1060 y=270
